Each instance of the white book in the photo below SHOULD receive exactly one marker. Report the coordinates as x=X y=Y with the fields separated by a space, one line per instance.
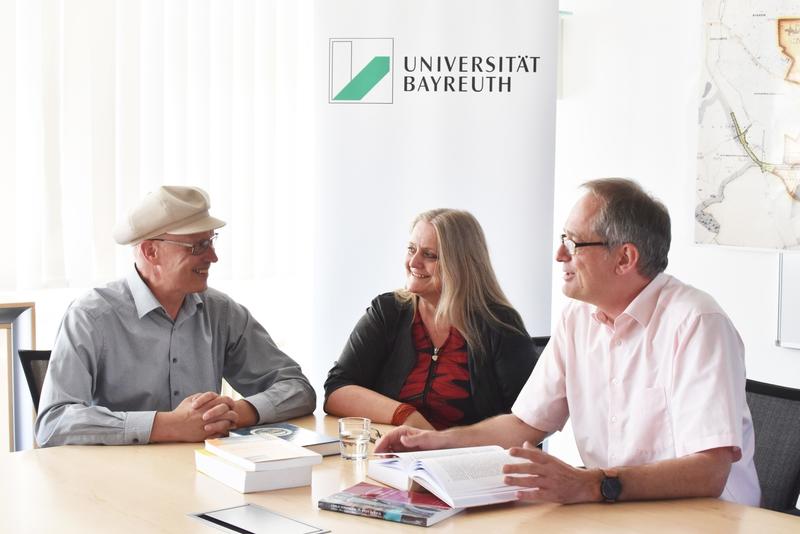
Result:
x=262 y=453
x=471 y=476
x=249 y=481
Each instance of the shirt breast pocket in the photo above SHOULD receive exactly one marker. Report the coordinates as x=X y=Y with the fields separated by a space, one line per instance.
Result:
x=650 y=426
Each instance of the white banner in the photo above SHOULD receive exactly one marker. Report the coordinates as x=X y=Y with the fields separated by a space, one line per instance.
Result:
x=423 y=105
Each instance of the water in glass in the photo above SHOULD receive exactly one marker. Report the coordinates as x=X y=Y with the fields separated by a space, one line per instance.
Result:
x=353 y=443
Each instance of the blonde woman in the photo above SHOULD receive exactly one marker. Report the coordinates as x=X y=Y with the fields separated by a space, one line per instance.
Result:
x=446 y=350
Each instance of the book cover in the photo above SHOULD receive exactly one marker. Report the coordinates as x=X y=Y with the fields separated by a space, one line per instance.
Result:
x=261 y=453
x=311 y=440
x=410 y=507
x=249 y=481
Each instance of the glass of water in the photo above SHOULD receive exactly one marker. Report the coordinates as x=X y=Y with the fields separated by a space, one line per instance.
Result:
x=354 y=436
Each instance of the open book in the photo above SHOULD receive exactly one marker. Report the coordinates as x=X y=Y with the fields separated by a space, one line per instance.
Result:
x=472 y=476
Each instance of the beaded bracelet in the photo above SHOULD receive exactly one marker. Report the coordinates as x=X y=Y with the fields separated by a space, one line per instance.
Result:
x=401 y=413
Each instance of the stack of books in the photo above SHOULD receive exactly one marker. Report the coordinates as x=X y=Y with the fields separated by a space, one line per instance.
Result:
x=256 y=462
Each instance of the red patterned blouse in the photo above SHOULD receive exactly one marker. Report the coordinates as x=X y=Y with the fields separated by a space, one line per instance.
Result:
x=438 y=386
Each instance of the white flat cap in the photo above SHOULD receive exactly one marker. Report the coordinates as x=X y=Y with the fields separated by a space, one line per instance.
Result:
x=173 y=209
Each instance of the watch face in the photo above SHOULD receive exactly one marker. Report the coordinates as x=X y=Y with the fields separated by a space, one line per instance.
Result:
x=610 y=488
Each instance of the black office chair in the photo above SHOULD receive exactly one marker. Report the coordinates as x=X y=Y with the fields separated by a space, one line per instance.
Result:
x=34 y=364
x=776 y=422
x=539 y=343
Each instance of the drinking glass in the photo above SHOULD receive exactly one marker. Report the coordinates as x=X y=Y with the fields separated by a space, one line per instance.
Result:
x=354 y=437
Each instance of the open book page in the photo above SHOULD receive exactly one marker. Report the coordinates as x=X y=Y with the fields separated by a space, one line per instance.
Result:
x=471 y=476
x=468 y=479
x=395 y=469
x=407 y=460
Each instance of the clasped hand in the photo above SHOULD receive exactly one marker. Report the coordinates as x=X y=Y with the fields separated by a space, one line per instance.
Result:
x=209 y=413
x=198 y=417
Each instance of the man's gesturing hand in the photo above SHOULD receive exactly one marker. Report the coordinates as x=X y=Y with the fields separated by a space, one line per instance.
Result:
x=550 y=479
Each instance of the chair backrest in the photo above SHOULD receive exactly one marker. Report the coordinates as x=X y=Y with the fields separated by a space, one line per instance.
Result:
x=776 y=423
x=539 y=343
x=34 y=364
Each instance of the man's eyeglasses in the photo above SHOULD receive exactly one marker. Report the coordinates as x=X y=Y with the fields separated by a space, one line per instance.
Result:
x=197 y=248
x=572 y=246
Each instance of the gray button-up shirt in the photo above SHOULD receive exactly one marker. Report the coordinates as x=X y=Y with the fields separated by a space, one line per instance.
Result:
x=118 y=358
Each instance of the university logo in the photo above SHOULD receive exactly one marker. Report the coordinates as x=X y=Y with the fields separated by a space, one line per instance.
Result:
x=361 y=71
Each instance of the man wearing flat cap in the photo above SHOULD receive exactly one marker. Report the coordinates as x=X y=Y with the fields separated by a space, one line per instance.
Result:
x=142 y=359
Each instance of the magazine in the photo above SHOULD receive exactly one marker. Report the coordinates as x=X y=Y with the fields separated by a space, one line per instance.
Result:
x=411 y=507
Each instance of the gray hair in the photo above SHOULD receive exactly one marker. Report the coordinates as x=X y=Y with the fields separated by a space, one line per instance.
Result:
x=630 y=215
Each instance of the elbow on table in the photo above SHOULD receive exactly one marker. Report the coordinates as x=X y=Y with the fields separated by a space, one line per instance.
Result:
x=47 y=435
x=716 y=476
x=312 y=398
x=717 y=485
x=56 y=425
x=329 y=404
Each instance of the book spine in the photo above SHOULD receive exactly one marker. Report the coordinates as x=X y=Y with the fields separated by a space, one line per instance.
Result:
x=369 y=512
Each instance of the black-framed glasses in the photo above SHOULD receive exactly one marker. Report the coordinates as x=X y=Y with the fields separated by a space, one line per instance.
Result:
x=197 y=248
x=572 y=246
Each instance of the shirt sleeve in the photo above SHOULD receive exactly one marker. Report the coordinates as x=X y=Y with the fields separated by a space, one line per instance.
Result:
x=542 y=403
x=67 y=415
x=708 y=371
x=267 y=378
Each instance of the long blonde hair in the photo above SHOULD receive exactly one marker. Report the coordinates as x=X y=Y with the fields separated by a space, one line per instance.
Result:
x=470 y=292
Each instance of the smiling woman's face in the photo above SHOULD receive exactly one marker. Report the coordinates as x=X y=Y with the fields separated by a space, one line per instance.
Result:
x=422 y=262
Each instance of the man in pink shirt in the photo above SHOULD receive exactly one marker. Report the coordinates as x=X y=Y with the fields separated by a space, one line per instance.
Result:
x=650 y=369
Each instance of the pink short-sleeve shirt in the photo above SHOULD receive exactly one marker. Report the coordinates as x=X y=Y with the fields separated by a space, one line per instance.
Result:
x=664 y=380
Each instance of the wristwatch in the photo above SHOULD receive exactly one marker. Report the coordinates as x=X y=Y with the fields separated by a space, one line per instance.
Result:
x=610 y=486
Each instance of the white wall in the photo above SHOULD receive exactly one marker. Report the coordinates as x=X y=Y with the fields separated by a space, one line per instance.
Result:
x=629 y=108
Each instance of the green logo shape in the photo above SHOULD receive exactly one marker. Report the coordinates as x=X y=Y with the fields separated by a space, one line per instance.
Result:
x=365 y=80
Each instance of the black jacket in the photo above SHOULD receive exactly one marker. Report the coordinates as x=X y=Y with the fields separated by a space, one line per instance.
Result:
x=380 y=355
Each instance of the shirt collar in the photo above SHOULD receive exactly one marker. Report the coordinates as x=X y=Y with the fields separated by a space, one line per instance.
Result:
x=642 y=307
x=142 y=296
x=145 y=300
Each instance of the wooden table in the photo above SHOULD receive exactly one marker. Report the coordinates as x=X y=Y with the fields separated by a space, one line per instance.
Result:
x=152 y=488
